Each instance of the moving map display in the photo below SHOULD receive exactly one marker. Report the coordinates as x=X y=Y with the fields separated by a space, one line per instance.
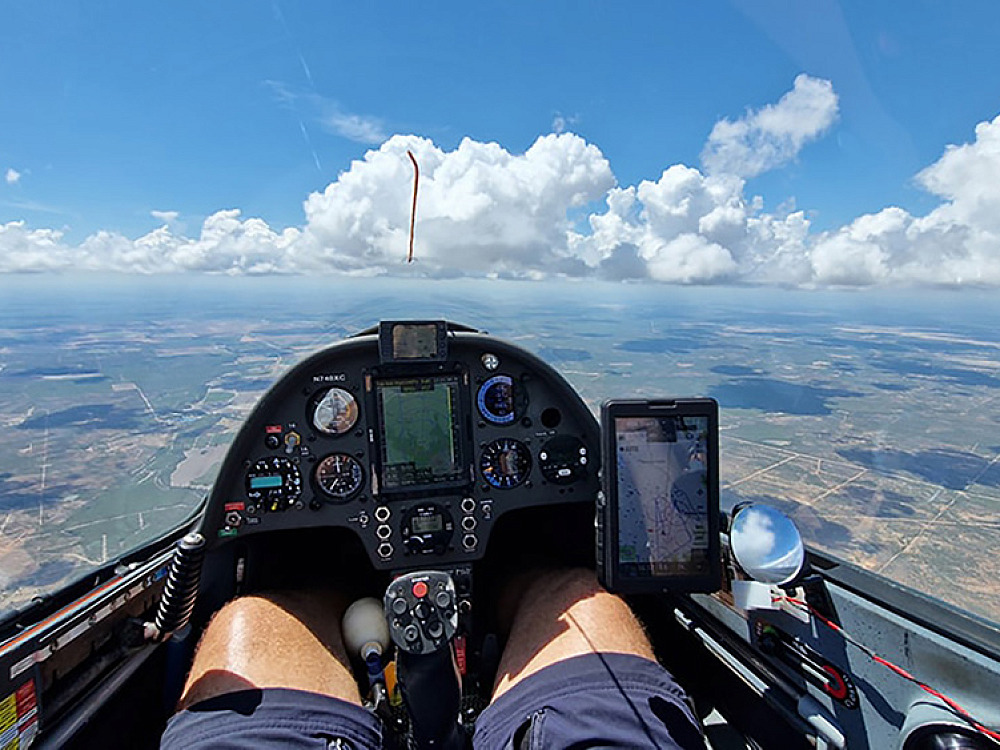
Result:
x=419 y=432
x=662 y=470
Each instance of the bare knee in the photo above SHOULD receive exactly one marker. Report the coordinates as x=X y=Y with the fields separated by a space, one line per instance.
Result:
x=574 y=599
x=286 y=639
x=566 y=613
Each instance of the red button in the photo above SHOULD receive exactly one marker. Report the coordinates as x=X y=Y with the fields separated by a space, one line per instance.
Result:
x=420 y=589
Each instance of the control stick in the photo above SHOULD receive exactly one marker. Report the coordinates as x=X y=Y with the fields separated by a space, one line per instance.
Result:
x=421 y=611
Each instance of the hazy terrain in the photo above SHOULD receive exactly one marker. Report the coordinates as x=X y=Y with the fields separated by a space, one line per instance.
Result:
x=872 y=418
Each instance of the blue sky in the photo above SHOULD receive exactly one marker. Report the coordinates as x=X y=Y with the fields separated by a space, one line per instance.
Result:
x=111 y=111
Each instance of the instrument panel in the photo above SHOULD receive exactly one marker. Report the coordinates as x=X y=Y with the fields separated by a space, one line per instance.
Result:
x=417 y=438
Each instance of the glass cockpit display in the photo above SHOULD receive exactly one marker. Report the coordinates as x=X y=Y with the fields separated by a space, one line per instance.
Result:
x=414 y=342
x=420 y=441
x=662 y=494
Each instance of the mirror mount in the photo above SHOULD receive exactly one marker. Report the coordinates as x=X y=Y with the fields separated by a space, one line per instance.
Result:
x=767 y=547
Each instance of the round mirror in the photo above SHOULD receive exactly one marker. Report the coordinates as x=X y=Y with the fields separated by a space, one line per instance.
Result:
x=766 y=544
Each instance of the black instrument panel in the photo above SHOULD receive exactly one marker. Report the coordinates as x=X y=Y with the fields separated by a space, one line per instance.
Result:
x=418 y=457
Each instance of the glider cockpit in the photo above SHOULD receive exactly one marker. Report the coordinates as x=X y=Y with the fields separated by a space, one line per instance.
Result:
x=428 y=453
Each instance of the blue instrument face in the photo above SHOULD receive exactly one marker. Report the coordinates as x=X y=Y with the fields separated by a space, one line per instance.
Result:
x=496 y=400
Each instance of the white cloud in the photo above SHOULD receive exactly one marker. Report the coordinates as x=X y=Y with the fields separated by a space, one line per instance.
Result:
x=773 y=135
x=562 y=123
x=356 y=127
x=691 y=228
x=486 y=211
x=12 y=176
x=967 y=178
x=23 y=249
x=226 y=244
x=330 y=114
x=956 y=243
x=167 y=217
x=481 y=208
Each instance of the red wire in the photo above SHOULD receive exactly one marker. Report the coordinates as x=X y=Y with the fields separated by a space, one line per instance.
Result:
x=898 y=670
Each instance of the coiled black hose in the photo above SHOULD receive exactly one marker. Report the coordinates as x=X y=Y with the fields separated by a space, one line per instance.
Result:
x=181 y=588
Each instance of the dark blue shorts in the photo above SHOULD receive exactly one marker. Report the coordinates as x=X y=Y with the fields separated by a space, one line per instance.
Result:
x=273 y=718
x=592 y=701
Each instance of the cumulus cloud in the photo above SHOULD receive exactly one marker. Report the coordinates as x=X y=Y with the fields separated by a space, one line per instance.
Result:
x=556 y=210
x=23 y=249
x=956 y=243
x=227 y=244
x=481 y=208
x=12 y=176
x=773 y=135
x=688 y=227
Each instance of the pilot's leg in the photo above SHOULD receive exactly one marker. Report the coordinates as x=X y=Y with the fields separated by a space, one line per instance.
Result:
x=562 y=614
x=271 y=669
x=578 y=669
x=281 y=640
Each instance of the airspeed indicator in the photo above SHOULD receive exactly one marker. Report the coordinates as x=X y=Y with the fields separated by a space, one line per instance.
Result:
x=339 y=476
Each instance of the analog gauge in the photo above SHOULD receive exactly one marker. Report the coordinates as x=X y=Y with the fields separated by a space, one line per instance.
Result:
x=274 y=484
x=339 y=476
x=335 y=412
x=496 y=400
x=505 y=463
x=563 y=459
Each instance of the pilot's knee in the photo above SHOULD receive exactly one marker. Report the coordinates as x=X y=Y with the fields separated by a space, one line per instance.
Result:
x=550 y=593
x=279 y=612
x=244 y=611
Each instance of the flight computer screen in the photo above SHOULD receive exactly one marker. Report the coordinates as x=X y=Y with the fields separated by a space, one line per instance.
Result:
x=663 y=496
x=420 y=443
x=414 y=341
